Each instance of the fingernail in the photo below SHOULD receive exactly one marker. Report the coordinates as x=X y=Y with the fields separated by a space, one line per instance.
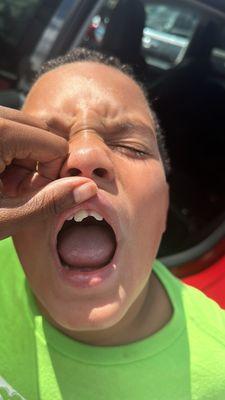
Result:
x=84 y=192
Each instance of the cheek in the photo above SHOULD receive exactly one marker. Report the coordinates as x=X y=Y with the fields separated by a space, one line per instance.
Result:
x=147 y=194
x=31 y=249
x=147 y=201
x=151 y=216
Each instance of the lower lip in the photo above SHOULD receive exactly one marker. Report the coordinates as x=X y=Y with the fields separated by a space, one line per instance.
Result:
x=87 y=279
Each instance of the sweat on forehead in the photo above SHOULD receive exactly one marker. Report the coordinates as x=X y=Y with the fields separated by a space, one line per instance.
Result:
x=87 y=75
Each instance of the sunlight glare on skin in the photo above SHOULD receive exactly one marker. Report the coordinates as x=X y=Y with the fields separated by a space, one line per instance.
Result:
x=102 y=134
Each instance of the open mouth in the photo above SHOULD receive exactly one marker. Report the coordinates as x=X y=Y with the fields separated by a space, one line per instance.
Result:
x=86 y=242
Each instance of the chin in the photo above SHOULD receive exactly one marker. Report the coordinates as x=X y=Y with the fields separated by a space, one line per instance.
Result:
x=95 y=319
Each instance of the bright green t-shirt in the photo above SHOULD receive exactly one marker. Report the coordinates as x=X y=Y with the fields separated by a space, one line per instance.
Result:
x=184 y=360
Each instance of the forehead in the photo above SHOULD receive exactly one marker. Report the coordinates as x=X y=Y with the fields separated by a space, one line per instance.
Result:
x=87 y=89
x=86 y=82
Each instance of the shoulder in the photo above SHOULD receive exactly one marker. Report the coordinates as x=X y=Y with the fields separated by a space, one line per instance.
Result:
x=205 y=313
x=202 y=314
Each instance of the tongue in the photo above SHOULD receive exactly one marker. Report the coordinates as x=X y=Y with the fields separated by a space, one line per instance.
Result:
x=86 y=247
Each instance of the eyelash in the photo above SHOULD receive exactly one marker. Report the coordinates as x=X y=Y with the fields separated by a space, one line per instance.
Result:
x=134 y=152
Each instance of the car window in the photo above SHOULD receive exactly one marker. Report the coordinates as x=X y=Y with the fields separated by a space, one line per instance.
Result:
x=50 y=34
x=14 y=17
x=166 y=31
x=21 y=24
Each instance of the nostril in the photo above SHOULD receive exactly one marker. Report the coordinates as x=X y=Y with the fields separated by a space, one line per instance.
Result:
x=74 y=171
x=100 y=172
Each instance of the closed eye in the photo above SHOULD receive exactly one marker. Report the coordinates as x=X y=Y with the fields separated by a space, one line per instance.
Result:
x=131 y=151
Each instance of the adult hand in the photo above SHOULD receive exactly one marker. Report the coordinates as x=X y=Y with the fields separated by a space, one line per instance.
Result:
x=27 y=193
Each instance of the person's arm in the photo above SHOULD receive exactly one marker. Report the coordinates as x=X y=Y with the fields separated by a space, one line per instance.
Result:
x=26 y=194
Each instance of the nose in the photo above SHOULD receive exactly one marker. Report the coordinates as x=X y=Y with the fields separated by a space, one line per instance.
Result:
x=89 y=158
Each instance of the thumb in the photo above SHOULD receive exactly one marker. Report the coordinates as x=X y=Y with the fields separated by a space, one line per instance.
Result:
x=53 y=199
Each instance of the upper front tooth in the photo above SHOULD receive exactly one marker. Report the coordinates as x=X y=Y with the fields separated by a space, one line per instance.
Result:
x=80 y=215
x=96 y=216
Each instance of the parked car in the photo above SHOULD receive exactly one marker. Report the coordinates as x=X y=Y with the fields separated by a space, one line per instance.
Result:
x=177 y=49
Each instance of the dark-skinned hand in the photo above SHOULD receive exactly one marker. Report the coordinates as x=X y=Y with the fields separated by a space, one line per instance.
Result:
x=30 y=161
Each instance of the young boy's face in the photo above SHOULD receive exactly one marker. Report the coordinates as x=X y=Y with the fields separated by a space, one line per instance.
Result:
x=106 y=120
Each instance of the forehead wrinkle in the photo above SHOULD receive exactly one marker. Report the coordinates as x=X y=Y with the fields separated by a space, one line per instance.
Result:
x=102 y=114
x=94 y=92
x=95 y=103
x=114 y=130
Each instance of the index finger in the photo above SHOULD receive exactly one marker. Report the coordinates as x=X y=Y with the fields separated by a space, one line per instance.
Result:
x=23 y=141
x=19 y=116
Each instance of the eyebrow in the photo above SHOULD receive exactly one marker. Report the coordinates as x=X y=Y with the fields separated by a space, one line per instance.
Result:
x=144 y=130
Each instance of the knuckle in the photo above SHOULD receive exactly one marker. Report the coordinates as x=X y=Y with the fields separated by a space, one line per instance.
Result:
x=45 y=203
x=51 y=205
x=50 y=202
x=3 y=126
x=5 y=148
x=54 y=204
x=4 y=132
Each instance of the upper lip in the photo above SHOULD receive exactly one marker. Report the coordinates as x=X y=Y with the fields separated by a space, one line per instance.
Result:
x=100 y=204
